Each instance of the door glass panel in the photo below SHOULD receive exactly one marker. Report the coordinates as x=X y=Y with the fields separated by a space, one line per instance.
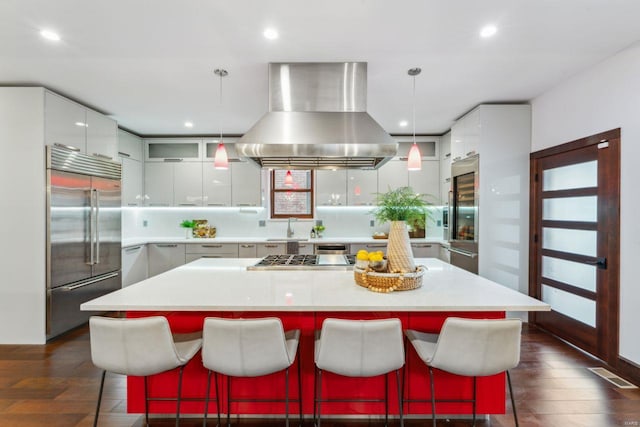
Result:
x=465 y=207
x=571 y=209
x=576 y=307
x=582 y=242
x=578 y=175
x=569 y=272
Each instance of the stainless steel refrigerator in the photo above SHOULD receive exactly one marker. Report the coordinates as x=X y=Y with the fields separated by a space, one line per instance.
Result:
x=83 y=234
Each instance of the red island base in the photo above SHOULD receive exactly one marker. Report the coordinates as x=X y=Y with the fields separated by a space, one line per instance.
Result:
x=491 y=390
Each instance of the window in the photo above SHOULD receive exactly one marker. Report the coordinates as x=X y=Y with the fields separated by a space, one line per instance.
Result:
x=291 y=193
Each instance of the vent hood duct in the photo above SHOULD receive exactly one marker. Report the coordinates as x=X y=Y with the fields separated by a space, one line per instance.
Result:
x=317 y=119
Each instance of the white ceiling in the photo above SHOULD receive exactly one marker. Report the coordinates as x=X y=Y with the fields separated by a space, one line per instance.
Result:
x=149 y=63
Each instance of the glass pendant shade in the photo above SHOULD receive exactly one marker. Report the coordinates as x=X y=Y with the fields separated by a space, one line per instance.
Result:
x=288 y=179
x=414 y=160
x=221 y=160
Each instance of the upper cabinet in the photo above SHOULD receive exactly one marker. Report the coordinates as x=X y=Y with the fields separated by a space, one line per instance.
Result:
x=130 y=152
x=392 y=175
x=246 y=188
x=172 y=149
x=216 y=185
x=129 y=146
x=331 y=187
x=465 y=135
x=428 y=146
x=445 y=167
x=71 y=124
x=426 y=181
x=362 y=186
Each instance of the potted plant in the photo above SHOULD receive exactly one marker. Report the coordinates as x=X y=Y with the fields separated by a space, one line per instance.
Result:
x=189 y=225
x=319 y=230
x=399 y=207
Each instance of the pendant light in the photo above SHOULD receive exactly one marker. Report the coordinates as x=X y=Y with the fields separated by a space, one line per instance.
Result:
x=414 y=161
x=221 y=160
x=288 y=179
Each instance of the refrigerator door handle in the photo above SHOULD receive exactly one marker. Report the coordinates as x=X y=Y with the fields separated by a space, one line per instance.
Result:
x=91 y=229
x=462 y=252
x=97 y=261
x=89 y=282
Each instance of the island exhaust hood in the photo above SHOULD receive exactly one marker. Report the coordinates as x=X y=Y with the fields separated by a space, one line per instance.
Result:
x=317 y=119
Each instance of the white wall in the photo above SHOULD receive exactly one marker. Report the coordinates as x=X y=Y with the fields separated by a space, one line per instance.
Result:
x=601 y=98
x=22 y=191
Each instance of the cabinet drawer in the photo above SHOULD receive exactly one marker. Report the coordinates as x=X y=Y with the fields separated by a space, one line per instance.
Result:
x=264 y=249
x=193 y=257
x=230 y=249
x=426 y=250
x=247 y=250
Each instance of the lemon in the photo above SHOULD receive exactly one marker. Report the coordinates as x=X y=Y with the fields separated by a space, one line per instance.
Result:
x=362 y=255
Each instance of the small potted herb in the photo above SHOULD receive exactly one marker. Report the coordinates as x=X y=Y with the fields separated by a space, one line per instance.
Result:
x=319 y=229
x=189 y=225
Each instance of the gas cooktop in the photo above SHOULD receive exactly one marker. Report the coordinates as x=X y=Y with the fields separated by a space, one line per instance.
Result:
x=305 y=262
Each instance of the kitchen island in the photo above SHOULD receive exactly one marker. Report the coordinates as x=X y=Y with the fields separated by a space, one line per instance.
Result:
x=303 y=299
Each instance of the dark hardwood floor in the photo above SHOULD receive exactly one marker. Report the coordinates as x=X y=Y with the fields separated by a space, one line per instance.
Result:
x=56 y=385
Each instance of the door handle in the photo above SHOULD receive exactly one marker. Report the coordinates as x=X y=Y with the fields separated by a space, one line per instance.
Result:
x=91 y=229
x=464 y=253
x=600 y=262
x=97 y=261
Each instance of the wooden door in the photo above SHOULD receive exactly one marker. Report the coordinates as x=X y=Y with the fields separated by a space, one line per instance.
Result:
x=574 y=246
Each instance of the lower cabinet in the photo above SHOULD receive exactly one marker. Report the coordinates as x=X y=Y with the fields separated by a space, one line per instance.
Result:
x=445 y=255
x=264 y=249
x=369 y=247
x=165 y=256
x=247 y=250
x=134 y=264
x=426 y=250
x=211 y=250
x=305 y=248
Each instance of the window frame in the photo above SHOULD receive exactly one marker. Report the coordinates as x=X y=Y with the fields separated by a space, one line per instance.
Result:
x=273 y=191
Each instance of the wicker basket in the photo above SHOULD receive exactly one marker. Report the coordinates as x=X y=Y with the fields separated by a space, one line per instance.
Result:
x=388 y=282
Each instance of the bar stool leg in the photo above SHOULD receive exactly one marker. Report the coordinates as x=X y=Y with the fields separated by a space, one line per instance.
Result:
x=206 y=399
x=228 y=401
x=400 y=389
x=300 y=392
x=386 y=400
x=319 y=400
x=215 y=378
x=146 y=404
x=474 y=402
x=179 y=395
x=433 y=397
x=95 y=420
x=286 y=397
x=513 y=402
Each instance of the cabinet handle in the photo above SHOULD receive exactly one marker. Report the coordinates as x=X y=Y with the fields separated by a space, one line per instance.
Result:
x=271 y=246
x=447 y=180
x=448 y=155
x=212 y=256
x=132 y=249
x=457 y=158
x=210 y=246
x=247 y=246
x=376 y=246
x=186 y=204
x=245 y=204
x=173 y=160
x=416 y=245
x=123 y=154
x=102 y=156
x=68 y=147
x=166 y=245
x=158 y=204
x=216 y=204
x=471 y=153
x=132 y=204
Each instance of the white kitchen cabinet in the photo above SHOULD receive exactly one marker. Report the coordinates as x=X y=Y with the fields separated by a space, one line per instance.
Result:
x=173 y=149
x=465 y=135
x=102 y=136
x=425 y=250
x=164 y=257
x=264 y=249
x=331 y=187
x=210 y=146
x=246 y=181
x=65 y=122
x=428 y=146
x=305 y=248
x=426 y=181
x=134 y=264
x=362 y=186
x=211 y=250
x=129 y=146
x=187 y=184
x=71 y=124
x=132 y=188
x=247 y=250
x=445 y=168
x=392 y=175
x=216 y=185
x=158 y=184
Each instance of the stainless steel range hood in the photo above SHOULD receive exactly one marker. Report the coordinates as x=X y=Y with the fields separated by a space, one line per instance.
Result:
x=317 y=119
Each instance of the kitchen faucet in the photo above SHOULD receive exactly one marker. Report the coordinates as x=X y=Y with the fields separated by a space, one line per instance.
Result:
x=290 y=231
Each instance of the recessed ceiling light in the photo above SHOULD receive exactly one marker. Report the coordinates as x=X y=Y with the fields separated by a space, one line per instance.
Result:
x=188 y=124
x=488 y=31
x=50 y=35
x=270 y=33
x=404 y=123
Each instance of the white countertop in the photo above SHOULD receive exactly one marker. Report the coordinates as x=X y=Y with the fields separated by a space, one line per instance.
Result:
x=141 y=240
x=210 y=284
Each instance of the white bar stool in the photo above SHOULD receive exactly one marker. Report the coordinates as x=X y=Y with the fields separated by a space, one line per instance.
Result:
x=249 y=348
x=138 y=347
x=470 y=347
x=359 y=348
